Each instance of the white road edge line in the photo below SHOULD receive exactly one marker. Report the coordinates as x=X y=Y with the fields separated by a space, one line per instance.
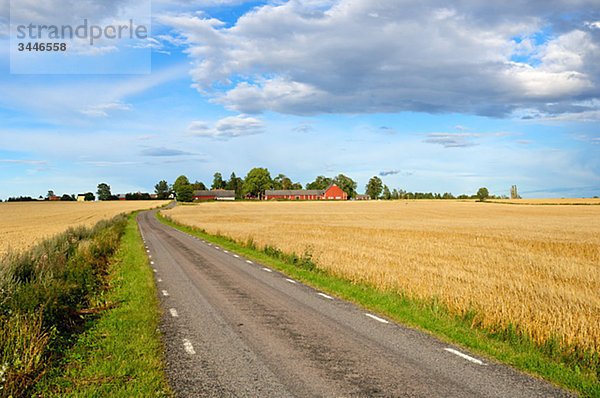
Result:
x=189 y=348
x=249 y=262
x=290 y=280
x=152 y=262
x=159 y=280
x=173 y=312
x=267 y=270
x=464 y=356
x=378 y=319
x=154 y=270
x=225 y=251
x=165 y=293
x=326 y=296
x=236 y=256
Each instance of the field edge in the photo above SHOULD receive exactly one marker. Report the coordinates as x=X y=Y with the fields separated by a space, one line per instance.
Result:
x=426 y=315
x=121 y=354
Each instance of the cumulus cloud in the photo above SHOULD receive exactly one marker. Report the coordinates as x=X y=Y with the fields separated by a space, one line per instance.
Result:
x=361 y=56
x=229 y=127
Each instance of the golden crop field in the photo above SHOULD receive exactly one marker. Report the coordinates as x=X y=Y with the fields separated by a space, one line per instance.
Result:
x=533 y=266
x=23 y=224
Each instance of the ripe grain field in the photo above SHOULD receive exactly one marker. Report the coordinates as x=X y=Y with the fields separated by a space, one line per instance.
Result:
x=537 y=267
x=23 y=224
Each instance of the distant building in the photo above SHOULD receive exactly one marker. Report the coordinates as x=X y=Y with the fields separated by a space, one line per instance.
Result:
x=54 y=198
x=362 y=197
x=81 y=197
x=333 y=192
x=217 y=194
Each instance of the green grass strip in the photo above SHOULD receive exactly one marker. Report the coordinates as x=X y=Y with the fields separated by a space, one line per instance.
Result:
x=120 y=354
x=507 y=347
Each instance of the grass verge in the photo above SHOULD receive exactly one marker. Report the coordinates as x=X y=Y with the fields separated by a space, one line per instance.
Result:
x=120 y=353
x=507 y=346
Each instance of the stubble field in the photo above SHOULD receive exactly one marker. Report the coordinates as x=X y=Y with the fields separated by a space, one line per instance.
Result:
x=23 y=224
x=537 y=267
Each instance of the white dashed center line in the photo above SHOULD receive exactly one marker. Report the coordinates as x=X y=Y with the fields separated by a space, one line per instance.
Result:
x=290 y=280
x=165 y=293
x=378 y=319
x=173 y=312
x=464 y=356
x=267 y=270
x=326 y=296
x=189 y=348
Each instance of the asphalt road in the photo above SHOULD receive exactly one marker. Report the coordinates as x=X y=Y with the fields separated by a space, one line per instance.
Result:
x=234 y=328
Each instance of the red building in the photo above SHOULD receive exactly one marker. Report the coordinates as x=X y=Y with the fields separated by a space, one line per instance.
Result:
x=217 y=194
x=333 y=192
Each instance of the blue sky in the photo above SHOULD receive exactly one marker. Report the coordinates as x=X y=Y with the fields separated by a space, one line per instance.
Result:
x=431 y=96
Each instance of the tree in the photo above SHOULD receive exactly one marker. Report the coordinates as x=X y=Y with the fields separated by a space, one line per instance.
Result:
x=347 y=185
x=374 y=187
x=67 y=198
x=199 y=186
x=387 y=195
x=89 y=197
x=395 y=194
x=162 y=190
x=218 y=182
x=236 y=184
x=103 y=191
x=282 y=182
x=321 y=182
x=180 y=183
x=482 y=194
x=186 y=193
x=50 y=194
x=257 y=181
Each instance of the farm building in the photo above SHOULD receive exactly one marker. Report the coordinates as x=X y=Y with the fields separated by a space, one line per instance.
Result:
x=333 y=192
x=362 y=197
x=81 y=197
x=217 y=194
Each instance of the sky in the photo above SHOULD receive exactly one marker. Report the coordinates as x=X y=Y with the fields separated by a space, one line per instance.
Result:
x=431 y=96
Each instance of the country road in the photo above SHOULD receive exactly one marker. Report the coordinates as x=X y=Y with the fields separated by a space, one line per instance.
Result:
x=235 y=328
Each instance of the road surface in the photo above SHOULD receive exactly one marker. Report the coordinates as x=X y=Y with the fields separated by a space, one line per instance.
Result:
x=235 y=328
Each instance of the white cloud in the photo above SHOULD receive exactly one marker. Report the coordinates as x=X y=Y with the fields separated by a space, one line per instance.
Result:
x=21 y=161
x=103 y=109
x=229 y=127
x=361 y=56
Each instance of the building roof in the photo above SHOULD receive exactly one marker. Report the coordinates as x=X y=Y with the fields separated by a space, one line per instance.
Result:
x=217 y=193
x=294 y=192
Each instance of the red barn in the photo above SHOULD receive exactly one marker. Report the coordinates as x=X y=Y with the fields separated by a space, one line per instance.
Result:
x=217 y=194
x=333 y=192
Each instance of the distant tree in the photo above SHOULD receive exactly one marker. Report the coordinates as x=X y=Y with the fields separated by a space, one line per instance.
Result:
x=218 y=182
x=186 y=193
x=89 y=197
x=103 y=191
x=374 y=187
x=50 y=194
x=387 y=195
x=395 y=194
x=199 y=186
x=180 y=183
x=447 y=195
x=296 y=185
x=257 y=181
x=321 y=182
x=482 y=194
x=236 y=184
x=282 y=182
x=67 y=198
x=162 y=190
x=347 y=185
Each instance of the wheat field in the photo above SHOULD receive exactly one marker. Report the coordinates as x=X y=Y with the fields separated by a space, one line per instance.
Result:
x=537 y=267
x=23 y=224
